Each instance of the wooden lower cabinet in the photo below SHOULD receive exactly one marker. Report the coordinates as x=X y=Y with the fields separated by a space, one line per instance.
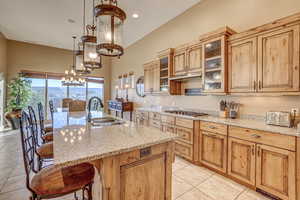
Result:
x=139 y=179
x=241 y=160
x=213 y=150
x=275 y=171
x=184 y=150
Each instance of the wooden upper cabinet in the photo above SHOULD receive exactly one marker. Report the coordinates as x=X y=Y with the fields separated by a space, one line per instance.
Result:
x=242 y=65
x=241 y=160
x=179 y=64
x=213 y=150
x=194 y=54
x=275 y=172
x=278 y=60
x=148 y=78
x=151 y=77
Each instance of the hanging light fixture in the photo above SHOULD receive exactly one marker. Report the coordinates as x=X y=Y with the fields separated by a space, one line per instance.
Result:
x=72 y=78
x=109 y=19
x=80 y=67
x=91 y=58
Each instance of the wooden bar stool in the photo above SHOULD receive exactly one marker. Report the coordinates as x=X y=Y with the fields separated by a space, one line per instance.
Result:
x=46 y=132
x=52 y=182
x=43 y=149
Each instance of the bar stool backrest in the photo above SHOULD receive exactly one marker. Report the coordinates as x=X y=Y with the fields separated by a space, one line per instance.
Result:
x=41 y=116
x=32 y=118
x=51 y=107
x=28 y=146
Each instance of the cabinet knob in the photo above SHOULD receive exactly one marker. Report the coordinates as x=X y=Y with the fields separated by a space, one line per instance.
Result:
x=212 y=127
x=256 y=136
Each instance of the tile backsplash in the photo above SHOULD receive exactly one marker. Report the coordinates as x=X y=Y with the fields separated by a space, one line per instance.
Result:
x=250 y=105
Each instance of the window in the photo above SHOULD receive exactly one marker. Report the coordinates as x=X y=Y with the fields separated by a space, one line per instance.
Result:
x=38 y=88
x=78 y=92
x=95 y=89
x=56 y=93
x=47 y=86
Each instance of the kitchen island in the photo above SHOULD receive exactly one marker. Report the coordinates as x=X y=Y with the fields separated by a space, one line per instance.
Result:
x=133 y=161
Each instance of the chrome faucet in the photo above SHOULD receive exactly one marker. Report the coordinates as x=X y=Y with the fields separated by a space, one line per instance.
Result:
x=96 y=104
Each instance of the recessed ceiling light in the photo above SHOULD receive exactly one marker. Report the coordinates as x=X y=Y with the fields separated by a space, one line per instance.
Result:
x=72 y=21
x=135 y=15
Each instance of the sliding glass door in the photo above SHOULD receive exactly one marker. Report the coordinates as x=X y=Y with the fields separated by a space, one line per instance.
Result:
x=45 y=89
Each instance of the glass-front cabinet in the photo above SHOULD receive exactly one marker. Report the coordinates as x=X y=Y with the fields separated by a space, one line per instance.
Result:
x=214 y=65
x=165 y=65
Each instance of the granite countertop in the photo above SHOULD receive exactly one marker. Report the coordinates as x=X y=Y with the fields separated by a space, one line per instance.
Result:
x=244 y=123
x=76 y=141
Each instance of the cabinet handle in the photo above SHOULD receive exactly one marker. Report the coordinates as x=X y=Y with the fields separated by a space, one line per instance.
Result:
x=211 y=135
x=252 y=149
x=212 y=127
x=254 y=85
x=258 y=151
x=256 y=136
x=259 y=85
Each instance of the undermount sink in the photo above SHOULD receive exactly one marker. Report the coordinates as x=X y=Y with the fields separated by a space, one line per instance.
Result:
x=106 y=121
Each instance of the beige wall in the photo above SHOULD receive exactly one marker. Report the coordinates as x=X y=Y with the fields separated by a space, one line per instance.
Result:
x=26 y=56
x=3 y=55
x=204 y=17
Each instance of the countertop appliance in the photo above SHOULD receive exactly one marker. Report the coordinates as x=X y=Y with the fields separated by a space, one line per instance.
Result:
x=279 y=118
x=186 y=113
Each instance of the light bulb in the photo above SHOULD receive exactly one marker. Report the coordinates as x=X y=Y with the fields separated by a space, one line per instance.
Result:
x=66 y=72
x=93 y=55
x=108 y=36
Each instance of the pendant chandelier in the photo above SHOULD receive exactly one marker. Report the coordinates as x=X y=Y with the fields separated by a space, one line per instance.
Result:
x=109 y=19
x=91 y=58
x=72 y=78
x=79 y=66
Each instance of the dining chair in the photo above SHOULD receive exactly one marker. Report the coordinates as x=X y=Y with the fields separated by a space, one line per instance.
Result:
x=44 y=150
x=51 y=182
x=66 y=102
x=46 y=131
x=77 y=106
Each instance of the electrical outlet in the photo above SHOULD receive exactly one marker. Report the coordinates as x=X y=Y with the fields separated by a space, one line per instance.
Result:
x=295 y=110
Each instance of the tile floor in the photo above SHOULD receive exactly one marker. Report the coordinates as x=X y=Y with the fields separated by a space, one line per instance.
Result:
x=190 y=182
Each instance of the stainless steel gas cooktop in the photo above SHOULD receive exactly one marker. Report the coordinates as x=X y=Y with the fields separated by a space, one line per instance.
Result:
x=186 y=113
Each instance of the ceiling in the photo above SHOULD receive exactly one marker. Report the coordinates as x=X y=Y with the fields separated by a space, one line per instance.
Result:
x=46 y=22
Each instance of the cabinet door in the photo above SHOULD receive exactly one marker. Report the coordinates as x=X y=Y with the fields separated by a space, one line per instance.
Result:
x=242 y=65
x=179 y=63
x=213 y=150
x=148 y=76
x=275 y=171
x=156 y=77
x=194 y=59
x=278 y=68
x=241 y=160
x=144 y=180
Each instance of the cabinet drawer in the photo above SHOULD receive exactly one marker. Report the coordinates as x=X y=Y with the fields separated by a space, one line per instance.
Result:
x=167 y=119
x=187 y=123
x=262 y=137
x=184 y=150
x=214 y=127
x=155 y=123
x=168 y=128
x=154 y=116
x=142 y=114
x=186 y=134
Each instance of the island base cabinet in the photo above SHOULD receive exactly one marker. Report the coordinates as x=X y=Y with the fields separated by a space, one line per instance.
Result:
x=275 y=172
x=213 y=150
x=241 y=160
x=144 y=180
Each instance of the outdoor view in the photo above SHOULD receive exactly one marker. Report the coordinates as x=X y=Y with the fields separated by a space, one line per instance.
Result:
x=56 y=92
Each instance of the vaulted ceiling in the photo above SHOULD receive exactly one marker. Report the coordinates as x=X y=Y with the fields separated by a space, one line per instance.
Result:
x=53 y=22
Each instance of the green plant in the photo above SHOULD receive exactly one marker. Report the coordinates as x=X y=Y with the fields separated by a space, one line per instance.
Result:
x=19 y=93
